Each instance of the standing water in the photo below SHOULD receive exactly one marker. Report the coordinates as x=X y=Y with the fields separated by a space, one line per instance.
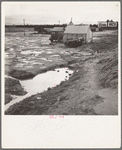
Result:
x=41 y=83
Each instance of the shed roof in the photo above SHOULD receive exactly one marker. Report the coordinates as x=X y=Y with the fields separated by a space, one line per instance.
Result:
x=77 y=29
x=58 y=29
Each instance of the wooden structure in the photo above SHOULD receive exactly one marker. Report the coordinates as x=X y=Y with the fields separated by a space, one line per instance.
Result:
x=57 y=34
x=108 y=25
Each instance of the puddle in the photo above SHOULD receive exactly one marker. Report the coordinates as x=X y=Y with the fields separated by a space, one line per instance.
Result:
x=55 y=56
x=37 y=63
x=48 y=49
x=25 y=61
x=19 y=65
x=50 y=60
x=86 y=54
x=28 y=66
x=16 y=100
x=31 y=52
x=50 y=79
x=8 y=54
x=44 y=59
x=41 y=83
x=49 y=52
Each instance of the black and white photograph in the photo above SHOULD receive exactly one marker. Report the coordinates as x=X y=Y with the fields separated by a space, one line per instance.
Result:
x=61 y=59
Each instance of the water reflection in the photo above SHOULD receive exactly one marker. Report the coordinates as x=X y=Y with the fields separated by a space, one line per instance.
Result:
x=42 y=82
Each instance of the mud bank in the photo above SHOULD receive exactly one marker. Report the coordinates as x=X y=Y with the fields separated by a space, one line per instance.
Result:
x=12 y=87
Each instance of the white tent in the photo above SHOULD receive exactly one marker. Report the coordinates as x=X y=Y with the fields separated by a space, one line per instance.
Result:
x=73 y=32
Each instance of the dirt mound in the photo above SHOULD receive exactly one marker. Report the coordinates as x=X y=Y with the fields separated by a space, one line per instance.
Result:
x=106 y=43
x=108 y=74
x=8 y=98
x=12 y=86
x=21 y=74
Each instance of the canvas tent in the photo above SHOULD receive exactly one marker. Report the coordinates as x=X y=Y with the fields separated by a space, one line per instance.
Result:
x=71 y=23
x=73 y=32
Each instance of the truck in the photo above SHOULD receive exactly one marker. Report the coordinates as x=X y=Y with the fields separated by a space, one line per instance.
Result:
x=74 y=42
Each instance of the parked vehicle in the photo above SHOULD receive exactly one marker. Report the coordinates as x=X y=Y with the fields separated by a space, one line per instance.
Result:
x=74 y=42
x=56 y=34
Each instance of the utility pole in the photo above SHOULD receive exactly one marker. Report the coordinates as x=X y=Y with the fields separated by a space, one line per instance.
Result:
x=59 y=22
x=24 y=26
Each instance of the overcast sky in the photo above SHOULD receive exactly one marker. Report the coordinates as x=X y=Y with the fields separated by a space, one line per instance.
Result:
x=52 y=12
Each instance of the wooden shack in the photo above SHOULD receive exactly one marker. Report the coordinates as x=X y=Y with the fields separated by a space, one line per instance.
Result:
x=76 y=32
x=57 y=34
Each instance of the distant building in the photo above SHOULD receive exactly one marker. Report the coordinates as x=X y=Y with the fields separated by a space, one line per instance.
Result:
x=108 y=25
x=102 y=24
x=48 y=30
x=112 y=24
x=75 y=32
x=57 y=34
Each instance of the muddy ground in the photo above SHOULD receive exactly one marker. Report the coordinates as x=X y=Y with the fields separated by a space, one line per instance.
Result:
x=93 y=88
